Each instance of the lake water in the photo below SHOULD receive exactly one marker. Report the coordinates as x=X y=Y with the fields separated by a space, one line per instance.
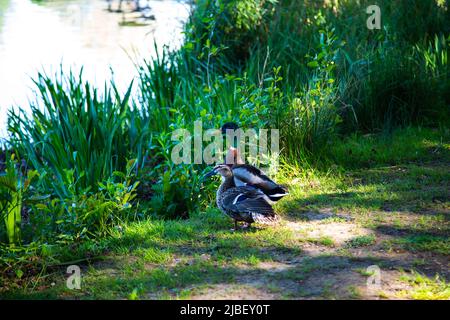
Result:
x=42 y=35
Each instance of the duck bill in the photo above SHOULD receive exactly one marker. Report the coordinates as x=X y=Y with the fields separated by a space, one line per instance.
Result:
x=209 y=174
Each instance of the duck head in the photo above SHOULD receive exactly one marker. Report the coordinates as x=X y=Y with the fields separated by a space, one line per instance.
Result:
x=221 y=169
x=229 y=126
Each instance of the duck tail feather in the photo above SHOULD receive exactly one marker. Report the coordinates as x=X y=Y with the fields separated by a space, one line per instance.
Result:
x=278 y=192
x=260 y=218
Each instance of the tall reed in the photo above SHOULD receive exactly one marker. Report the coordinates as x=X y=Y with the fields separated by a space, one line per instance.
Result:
x=73 y=131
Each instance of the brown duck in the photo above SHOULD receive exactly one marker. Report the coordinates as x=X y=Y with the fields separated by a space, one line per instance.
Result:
x=242 y=203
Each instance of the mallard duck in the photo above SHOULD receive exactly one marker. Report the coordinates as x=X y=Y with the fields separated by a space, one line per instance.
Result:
x=248 y=175
x=232 y=156
x=241 y=203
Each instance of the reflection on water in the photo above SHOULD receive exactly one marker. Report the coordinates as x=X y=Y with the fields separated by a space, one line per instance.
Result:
x=42 y=35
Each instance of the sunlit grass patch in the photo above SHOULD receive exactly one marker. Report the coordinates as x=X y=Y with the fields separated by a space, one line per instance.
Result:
x=334 y=219
x=425 y=288
x=437 y=222
x=249 y=260
x=361 y=241
x=153 y=255
x=354 y=292
x=323 y=240
x=402 y=145
x=427 y=243
x=364 y=272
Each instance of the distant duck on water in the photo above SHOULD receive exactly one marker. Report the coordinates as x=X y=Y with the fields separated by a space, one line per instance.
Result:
x=241 y=203
x=248 y=175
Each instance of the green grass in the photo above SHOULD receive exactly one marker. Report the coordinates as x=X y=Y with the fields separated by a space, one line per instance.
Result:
x=178 y=259
x=324 y=241
x=427 y=243
x=361 y=241
x=65 y=136
x=411 y=144
x=426 y=288
x=354 y=292
x=194 y=257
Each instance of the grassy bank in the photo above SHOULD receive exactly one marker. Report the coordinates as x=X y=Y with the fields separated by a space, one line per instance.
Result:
x=393 y=210
x=335 y=224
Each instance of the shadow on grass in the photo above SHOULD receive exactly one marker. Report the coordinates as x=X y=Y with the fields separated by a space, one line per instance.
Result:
x=411 y=189
x=330 y=276
x=189 y=257
x=290 y=273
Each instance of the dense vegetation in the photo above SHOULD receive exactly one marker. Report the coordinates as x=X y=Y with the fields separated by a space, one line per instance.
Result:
x=82 y=164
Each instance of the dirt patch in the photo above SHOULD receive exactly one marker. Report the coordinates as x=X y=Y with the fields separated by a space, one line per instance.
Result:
x=350 y=284
x=338 y=232
x=307 y=278
x=321 y=271
x=233 y=292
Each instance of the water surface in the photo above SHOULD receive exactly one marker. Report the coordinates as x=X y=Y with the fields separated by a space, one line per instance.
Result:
x=42 y=35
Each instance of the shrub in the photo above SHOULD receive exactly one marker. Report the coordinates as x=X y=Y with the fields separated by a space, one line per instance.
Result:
x=83 y=214
x=176 y=187
x=231 y=26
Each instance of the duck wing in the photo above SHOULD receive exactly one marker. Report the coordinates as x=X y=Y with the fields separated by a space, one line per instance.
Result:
x=249 y=203
x=247 y=175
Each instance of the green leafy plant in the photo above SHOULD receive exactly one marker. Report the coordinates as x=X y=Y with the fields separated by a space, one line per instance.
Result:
x=13 y=184
x=94 y=214
x=176 y=191
x=230 y=26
